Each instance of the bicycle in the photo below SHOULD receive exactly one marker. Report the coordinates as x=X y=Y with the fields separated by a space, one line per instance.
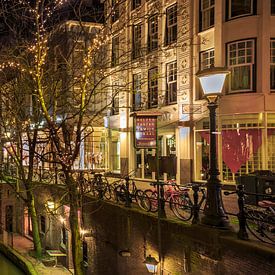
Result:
x=261 y=220
x=127 y=190
x=179 y=199
x=182 y=205
x=99 y=187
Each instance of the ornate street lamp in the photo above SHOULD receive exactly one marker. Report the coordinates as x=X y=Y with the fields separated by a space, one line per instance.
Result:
x=151 y=264
x=50 y=206
x=212 y=82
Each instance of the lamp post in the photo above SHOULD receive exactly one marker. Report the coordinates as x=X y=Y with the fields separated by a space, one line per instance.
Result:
x=212 y=82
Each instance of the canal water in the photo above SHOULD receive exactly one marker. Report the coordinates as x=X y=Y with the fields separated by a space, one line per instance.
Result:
x=8 y=268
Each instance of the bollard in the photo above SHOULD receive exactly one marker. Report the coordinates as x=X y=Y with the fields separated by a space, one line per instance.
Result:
x=195 y=207
x=242 y=234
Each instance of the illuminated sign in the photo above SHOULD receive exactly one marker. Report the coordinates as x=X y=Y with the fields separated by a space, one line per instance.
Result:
x=145 y=132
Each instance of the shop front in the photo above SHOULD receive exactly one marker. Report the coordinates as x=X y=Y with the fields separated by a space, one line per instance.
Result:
x=246 y=143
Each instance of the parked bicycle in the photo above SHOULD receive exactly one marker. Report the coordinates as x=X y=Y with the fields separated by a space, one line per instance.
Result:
x=261 y=220
x=178 y=198
x=126 y=191
x=99 y=186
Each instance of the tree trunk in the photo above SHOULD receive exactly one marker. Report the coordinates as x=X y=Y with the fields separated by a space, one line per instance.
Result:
x=34 y=222
x=75 y=230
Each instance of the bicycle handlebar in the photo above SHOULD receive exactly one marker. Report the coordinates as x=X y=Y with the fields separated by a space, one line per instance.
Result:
x=227 y=193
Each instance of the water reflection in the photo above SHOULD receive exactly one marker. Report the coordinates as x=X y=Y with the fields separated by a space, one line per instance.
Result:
x=8 y=268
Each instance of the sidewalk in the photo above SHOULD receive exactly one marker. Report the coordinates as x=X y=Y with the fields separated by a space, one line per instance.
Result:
x=24 y=246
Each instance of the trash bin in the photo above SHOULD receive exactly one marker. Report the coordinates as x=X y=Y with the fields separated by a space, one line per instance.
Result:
x=266 y=185
x=260 y=182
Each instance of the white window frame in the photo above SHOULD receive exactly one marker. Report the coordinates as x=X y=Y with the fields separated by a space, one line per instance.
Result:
x=137 y=90
x=272 y=2
x=136 y=4
x=152 y=25
x=137 y=41
x=251 y=64
x=205 y=59
x=115 y=51
x=170 y=27
x=272 y=60
x=242 y=15
x=115 y=98
x=115 y=12
x=205 y=13
x=152 y=90
x=171 y=79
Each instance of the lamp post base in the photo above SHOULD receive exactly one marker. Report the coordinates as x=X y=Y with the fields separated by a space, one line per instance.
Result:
x=214 y=213
x=216 y=221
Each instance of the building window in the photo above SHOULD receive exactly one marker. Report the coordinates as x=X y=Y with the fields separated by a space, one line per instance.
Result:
x=64 y=235
x=153 y=33
x=115 y=152
x=171 y=80
x=85 y=251
x=115 y=51
x=136 y=4
x=115 y=98
x=136 y=92
x=43 y=224
x=115 y=10
x=207 y=14
x=171 y=24
x=207 y=59
x=240 y=58
x=237 y=8
x=136 y=52
x=272 y=7
x=153 y=88
x=272 y=64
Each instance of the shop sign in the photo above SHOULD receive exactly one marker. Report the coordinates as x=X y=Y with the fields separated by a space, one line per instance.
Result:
x=145 y=132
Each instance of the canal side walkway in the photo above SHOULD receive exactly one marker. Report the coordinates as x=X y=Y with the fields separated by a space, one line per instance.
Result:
x=24 y=246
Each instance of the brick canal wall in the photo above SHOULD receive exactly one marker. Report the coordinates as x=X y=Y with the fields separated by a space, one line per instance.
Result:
x=185 y=248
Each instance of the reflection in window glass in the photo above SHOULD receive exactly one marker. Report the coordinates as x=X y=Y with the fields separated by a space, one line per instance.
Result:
x=153 y=33
x=207 y=59
x=153 y=87
x=272 y=7
x=239 y=8
x=272 y=64
x=207 y=14
x=171 y=24
x=240 y=58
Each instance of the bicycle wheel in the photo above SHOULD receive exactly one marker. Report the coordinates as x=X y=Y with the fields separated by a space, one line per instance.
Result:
x=181 y=207
x=142 y=200
x=153 y=196
x=108 y=192
x=260 y=224
x=119 y=192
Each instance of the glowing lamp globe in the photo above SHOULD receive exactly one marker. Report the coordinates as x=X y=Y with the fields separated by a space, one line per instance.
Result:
x=212 y=81
x=151 y=264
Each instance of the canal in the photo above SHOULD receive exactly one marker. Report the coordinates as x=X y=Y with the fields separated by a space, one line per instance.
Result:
x=8 y=268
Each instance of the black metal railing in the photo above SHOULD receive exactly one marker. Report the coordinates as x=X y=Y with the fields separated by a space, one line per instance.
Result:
x=258 y=220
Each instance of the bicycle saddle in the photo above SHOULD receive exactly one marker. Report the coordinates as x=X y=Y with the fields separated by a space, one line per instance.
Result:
x=266 y=204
